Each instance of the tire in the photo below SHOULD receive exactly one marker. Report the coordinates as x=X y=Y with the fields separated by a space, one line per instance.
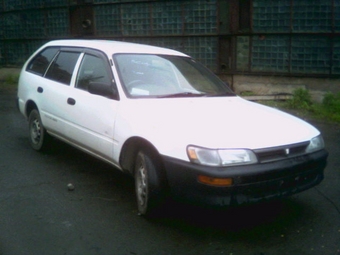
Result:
x=37 y=132
x=149 y=184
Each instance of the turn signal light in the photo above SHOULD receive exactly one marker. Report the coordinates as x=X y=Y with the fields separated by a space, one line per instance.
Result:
x=219 y=182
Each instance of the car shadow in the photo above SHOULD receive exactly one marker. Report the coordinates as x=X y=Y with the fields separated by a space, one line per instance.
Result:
x=251 y=222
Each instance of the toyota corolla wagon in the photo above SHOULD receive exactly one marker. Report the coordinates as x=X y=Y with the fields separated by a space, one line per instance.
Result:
x=162 y=117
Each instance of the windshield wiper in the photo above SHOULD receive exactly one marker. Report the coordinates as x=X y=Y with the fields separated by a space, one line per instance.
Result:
x=183 y=94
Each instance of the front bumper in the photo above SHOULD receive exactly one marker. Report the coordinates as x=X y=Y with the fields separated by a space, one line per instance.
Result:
x=251 y=183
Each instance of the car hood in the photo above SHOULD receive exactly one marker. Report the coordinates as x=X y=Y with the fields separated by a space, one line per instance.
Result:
x=216 y=122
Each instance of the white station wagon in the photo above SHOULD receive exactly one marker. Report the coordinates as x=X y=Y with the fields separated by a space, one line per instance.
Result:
x=162 y=117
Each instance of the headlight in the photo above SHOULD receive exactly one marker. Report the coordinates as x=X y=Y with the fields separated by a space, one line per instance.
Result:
x=315 y=144
x=220 y=157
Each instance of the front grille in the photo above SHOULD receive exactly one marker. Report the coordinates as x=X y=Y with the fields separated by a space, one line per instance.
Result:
x=285 y=186
x=282 y=152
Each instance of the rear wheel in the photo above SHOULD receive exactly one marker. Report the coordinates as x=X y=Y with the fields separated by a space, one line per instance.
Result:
x=149 y=184
x=37 y=131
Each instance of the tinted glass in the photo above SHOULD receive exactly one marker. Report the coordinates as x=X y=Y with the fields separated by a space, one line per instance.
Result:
x=40 y=63
x=92 y=69
x=62 y=68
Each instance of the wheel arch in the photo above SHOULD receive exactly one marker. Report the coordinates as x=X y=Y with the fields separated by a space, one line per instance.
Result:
x=30 y=105
x=129 y=152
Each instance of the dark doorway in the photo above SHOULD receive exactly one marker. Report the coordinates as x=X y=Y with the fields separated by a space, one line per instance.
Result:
x=81 y=20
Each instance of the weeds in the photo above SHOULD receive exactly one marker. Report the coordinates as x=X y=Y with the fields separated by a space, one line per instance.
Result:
x=9 y=82
x=11 y=79
x=301 y=101
x=330 y=107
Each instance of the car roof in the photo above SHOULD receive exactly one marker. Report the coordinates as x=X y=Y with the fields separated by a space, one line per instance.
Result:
x=113 y=47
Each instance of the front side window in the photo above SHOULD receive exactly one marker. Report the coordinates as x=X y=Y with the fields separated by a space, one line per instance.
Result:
x=40 y=63
x=147 y=75
x=92 y=69
x=62 y=68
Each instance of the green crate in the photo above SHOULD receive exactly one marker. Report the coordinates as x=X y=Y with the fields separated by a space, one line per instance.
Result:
x=16 y=52
x=13 y=27
x=135 y=19
x=204 y=49
x=167 y=18
x=2 y=54
x=54 y=3
x=312 y=16
x=106 y=1
x=271 y=16
x=337 y=15
x=107 y=20
x=336 y=56
x=270 y=54
x=200 y=17
x=34 y=24
x=310 y=54
x=33 y=4
x=57 y=22
x=2 y=25
x=10 y=5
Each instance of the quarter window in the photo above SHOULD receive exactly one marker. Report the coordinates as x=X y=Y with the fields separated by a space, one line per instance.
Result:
x=41 y=62
x=62 y=68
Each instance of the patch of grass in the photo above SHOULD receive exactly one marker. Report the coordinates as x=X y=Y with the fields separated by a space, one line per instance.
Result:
x=247 y=93
x=11 y=79
x=330 y=107
x=9 y=82
x=303 y=106
x=301 y=100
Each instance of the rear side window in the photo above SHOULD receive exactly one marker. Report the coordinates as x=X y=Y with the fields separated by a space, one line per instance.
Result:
x=62 y=67
x=40 y=63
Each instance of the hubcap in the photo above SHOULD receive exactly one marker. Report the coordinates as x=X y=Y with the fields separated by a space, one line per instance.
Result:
x=142 y=186
x=35 y=131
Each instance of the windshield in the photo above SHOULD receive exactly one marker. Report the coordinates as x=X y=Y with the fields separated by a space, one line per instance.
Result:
x=146 y=75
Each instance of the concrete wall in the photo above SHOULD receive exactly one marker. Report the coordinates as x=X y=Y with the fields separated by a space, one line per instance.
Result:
x=270 y=85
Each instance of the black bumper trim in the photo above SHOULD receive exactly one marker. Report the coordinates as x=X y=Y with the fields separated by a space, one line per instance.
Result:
x=252 y=183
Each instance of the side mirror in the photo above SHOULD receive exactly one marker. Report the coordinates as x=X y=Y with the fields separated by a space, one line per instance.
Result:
x=102 y=89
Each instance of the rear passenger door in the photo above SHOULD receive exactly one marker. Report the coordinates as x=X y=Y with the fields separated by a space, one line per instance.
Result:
x=54 y=88
x=91 y=117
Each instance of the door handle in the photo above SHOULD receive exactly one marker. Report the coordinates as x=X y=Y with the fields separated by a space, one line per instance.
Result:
x=40 y=89
x=71 y=101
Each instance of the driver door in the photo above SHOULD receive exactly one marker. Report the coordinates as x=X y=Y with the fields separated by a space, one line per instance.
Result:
x=92 y=117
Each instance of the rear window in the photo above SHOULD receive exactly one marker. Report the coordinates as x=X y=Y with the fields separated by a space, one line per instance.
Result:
x=40 y=63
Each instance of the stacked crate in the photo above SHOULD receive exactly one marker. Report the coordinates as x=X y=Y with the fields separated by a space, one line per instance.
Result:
x=57 y=23
x=271 y=16
x=336 y=56
x=27 y=24
x=270 y=53
x=310 y=54
x=294 y=36
x=336 y=42
x=107 y=19
x=188 y=25
x=167 y=18
x=312 y=16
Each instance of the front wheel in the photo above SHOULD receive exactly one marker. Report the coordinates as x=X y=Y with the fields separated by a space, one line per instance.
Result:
x=37 y=131
x=149 y=184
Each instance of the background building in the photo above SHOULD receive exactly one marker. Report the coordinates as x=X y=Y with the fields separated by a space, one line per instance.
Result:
x=246 y=42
